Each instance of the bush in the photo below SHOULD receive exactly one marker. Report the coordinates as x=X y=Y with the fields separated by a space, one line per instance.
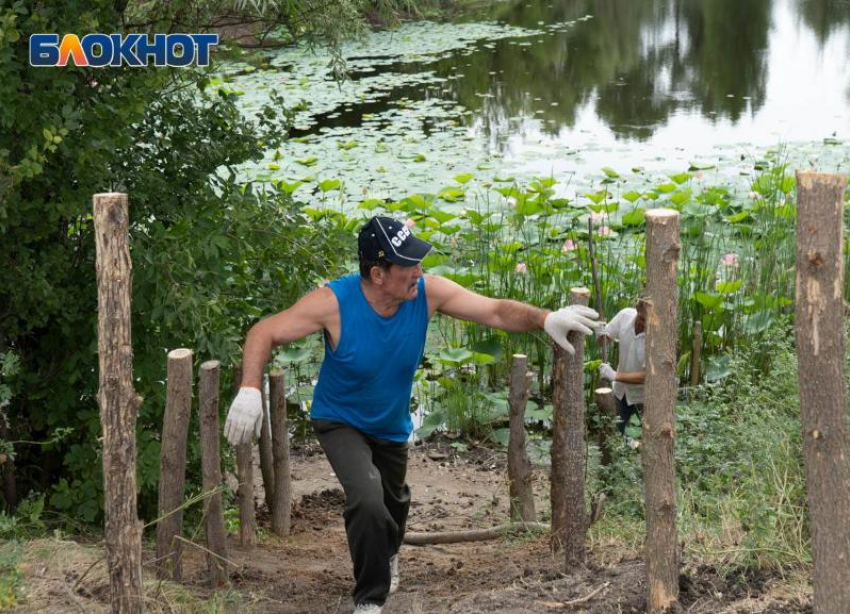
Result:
x=210 y=255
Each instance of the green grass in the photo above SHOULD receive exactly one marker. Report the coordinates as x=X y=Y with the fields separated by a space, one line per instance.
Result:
x=11 y=578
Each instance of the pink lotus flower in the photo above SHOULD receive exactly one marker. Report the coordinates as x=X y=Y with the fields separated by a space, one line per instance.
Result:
x=569 y=246
x=410 y=222
x=521 y=268
x=599 y=217
x=700 y=176
x=730 y=259
x=604 y=231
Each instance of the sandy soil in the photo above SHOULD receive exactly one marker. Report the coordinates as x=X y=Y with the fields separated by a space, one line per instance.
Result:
x=309 y=572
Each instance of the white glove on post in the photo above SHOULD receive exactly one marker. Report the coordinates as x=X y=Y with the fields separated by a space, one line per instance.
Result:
x=245 y=415
x=606 y=372
x=576 y=318
x=601 y=330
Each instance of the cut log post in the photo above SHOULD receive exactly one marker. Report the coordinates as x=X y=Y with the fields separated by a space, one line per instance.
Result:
x=520 y=474
x=266 y=456
x=568 y=443
x=821 y=359
x=282 y=509
x=118 y=402
x=662 y=258
x=172 y=465
x=245 y=475
x=607 y=409
x=208 y=398
x=577 y=521
x=696 y=352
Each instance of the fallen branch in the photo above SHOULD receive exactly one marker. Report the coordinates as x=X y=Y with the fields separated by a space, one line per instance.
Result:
x=586 y=598
x=210 y=552
x=573 y=603
x=474 y=535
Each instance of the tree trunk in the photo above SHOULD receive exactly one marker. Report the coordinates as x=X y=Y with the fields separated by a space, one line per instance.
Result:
x=172 y=467
x=519 y=465
x=211 y=468
x=7 y=466
x=821 y=356
x=245 y=475
x=696 y=351
x=282 y=510
x=575 y=529
x=266 y=456
x=662 y=257
x=118 y=402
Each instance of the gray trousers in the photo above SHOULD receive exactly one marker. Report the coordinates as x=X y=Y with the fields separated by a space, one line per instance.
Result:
x=372 y=473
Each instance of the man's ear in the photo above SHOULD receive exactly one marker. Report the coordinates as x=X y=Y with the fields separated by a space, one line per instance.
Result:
x=377 y=275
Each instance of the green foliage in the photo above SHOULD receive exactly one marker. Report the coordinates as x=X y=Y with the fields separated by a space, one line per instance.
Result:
x=210 y=255
x=11 y=577
x=739 y=454
x=738 y=461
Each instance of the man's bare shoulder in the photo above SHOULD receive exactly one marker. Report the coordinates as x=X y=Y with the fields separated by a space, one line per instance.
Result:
x=439 y=289
x=322 y=300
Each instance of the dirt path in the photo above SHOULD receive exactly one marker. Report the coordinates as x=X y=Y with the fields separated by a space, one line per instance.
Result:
x=310 y=572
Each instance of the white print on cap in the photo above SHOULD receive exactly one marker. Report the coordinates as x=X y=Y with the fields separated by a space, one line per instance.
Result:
x=398 y=240
x=400 y=236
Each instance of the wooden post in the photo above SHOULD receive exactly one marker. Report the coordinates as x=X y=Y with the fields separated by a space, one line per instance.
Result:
x=576 y=449
x=557 y=479
x=172 y=466
x=266 y=456
x=820 y=355
x=696 y=352
x=118 y=402
x=211 y=470
x=662 y=258
x=282 y=509
x=569 y=521
x=607 y=408
x=519 y=465
x=245 y=475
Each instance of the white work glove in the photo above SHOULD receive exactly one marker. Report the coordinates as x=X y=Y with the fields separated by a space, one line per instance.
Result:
x=576 y=318
x=245 y=415
x=606 y=372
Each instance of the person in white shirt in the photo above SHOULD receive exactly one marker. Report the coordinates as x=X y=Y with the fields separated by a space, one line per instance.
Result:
x=629 y=329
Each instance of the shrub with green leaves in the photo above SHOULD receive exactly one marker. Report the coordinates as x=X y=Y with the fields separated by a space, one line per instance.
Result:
x=210 y=256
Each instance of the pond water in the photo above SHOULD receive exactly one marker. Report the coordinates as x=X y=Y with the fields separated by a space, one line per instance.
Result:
x=563 y=88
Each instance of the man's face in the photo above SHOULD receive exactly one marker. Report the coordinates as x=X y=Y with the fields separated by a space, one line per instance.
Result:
x=402 y=282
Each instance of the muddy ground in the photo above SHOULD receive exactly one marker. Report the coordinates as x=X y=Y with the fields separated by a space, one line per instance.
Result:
x=309 y=573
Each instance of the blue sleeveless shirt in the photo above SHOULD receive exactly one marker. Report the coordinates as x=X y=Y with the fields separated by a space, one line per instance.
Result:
x=367 y=380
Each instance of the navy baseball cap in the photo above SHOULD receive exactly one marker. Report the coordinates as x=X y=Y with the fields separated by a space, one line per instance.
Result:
x=384 y=237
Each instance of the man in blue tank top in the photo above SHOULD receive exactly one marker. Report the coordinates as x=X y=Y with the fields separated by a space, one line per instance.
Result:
x=374 y=326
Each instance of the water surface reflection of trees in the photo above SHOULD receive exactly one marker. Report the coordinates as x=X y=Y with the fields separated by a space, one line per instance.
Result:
x=636 y=62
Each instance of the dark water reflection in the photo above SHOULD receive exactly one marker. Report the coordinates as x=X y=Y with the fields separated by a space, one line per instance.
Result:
x=759 y=71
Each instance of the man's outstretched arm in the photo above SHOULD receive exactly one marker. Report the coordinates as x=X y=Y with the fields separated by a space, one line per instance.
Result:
x=310 y=314
x=454 y=300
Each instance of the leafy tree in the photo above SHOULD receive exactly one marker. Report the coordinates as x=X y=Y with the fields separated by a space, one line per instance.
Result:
x=210 y=255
